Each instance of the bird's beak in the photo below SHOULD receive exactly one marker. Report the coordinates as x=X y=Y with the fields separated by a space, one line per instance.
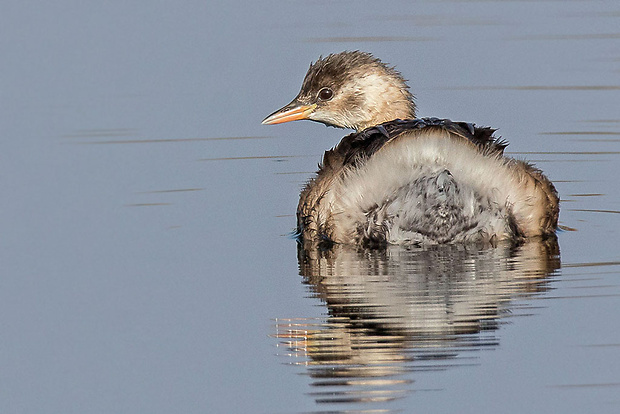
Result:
x=291 y=112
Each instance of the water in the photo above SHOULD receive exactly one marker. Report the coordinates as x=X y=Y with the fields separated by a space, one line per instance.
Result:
x=396 y=315
x=146 y=213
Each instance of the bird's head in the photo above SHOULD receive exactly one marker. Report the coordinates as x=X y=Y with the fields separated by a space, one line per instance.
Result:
x=349 y=90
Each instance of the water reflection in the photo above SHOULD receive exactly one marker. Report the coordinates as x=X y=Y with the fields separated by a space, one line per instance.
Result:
x=394 y=312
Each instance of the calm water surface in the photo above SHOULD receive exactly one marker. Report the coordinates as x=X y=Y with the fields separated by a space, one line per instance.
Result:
x=146 y=214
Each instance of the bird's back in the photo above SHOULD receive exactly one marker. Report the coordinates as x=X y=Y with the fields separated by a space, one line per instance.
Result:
x=425 y=181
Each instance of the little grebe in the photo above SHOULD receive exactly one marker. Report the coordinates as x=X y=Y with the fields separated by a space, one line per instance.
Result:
x=403 y=180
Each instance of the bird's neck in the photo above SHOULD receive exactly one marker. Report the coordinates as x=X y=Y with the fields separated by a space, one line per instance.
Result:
x=385 y=100
x=387 y=112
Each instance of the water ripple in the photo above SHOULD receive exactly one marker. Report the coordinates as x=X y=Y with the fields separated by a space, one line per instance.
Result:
x=534 y=88
x=399 y=313
x=368 y=39
x=164 y=140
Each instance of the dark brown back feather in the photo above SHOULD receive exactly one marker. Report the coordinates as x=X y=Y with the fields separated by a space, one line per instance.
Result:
x=358 y=147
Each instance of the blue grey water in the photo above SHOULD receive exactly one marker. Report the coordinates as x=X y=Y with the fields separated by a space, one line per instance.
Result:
x=145 y=217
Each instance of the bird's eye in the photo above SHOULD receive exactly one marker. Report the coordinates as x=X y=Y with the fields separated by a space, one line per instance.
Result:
x=326 y=94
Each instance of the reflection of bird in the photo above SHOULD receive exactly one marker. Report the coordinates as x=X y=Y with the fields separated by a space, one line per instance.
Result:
x=392 y=311
x=399 y=179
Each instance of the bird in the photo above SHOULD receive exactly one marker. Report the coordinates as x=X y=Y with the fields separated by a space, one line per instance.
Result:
x=403 y=180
